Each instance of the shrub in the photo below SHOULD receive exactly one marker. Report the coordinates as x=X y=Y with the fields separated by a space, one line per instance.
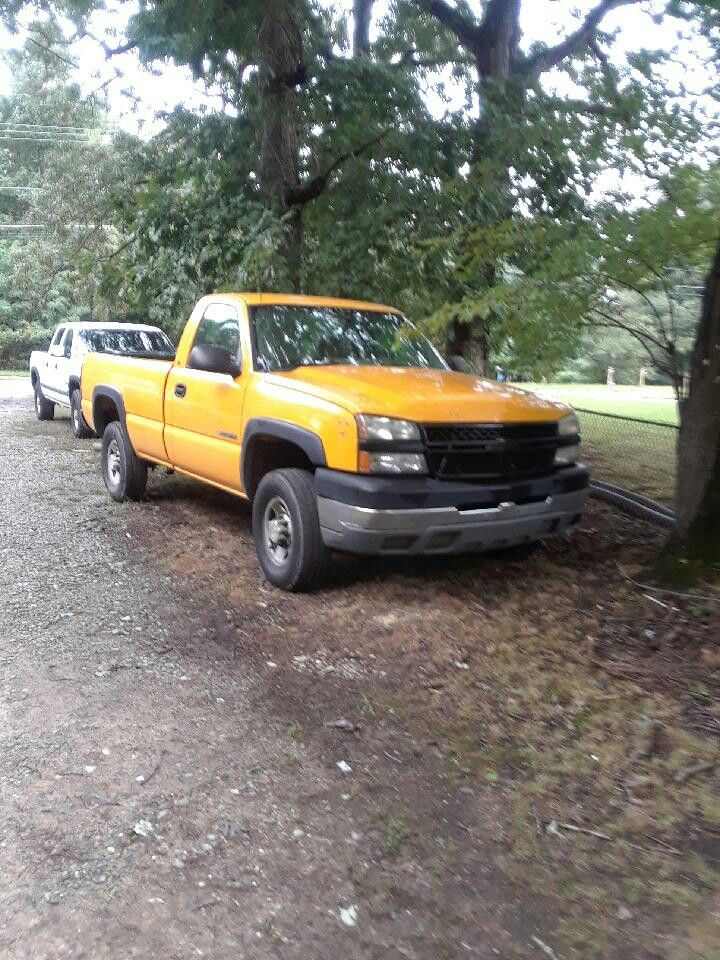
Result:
x=17 y=345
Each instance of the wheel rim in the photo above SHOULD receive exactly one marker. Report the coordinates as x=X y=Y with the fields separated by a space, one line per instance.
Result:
x=277 y=531
x=76 y=419
x=114 y=466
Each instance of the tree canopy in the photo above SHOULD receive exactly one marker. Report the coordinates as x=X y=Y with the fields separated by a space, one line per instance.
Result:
x=431 y=156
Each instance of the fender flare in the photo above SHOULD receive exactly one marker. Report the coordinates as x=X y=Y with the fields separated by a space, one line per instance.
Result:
x=101 y=392
x=309 y=442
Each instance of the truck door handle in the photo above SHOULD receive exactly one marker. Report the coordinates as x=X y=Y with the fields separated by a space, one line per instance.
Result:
x=180 y=389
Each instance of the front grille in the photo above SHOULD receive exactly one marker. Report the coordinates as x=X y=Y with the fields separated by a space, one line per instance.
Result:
x=489 y=451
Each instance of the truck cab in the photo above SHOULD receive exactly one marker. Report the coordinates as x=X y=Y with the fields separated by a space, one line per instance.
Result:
x=346 y=429
x=55 y=373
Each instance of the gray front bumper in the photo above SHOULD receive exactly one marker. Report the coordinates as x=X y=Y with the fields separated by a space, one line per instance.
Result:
x=446 y=529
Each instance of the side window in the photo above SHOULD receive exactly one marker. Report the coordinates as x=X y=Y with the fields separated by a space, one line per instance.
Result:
x=55 y=342
x=67 y=344
x=220 y=327
x=81 y=345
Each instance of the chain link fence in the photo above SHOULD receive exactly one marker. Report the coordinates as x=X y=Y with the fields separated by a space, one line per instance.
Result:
x=639 y=455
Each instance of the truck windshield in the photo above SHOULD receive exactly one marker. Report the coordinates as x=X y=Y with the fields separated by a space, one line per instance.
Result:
x=136 y=343
x=295 y=336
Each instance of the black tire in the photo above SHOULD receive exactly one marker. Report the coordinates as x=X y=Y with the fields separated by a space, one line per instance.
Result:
x=78 y=423
x=303 y=565
x=44 y=409
x=124 y=473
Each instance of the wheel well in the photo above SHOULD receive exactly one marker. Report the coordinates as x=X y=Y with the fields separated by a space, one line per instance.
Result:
x=104 y=412
x=266 y=453
x=34 y=377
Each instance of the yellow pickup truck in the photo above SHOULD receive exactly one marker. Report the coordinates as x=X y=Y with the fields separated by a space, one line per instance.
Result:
x=346 y=429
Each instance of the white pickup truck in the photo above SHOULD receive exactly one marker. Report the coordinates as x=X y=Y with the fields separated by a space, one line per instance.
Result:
x=55 y=373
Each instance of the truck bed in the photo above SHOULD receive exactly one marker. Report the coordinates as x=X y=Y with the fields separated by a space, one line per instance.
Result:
x=142 y=380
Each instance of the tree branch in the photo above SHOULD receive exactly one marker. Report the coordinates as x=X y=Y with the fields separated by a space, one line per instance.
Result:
x=582 y=37
x=303 y=193
x=53 y=53
x=642 y=335
x=409 y=58
x=640 y=293
x=467 y=32
x=107 y=49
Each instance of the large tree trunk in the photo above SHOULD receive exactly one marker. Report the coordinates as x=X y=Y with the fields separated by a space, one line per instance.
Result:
x=282 y=54
x=362 y=17
x=494 y=52
x=500 y=38
x=695 y=545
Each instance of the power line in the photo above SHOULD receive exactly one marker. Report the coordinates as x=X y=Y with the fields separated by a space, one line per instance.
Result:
x=11 y=139
x=54 y=126
x=52 y=133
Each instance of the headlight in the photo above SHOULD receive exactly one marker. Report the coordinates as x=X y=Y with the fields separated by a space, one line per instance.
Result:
x=385 y=428
x=567 y=455
x=394 y=463
x=389 y=446
x=569 y=426
x=568 y=430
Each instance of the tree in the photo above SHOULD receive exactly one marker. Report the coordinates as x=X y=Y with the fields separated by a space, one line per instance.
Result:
x=321 y=180
x=695 y=548
x=635 y=271
x=536 y=154
x=304 y=106
x=58 y=165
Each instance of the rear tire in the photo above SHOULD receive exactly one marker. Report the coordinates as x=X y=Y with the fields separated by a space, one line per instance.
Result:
x=124 y=473
x=78 y=423
x=44 y=409
x=286 y=528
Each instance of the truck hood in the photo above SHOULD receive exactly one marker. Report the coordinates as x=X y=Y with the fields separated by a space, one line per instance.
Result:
x=426 y=396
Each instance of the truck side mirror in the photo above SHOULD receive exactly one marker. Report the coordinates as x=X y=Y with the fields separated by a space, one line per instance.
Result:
x=459 y=364
x=214 y=360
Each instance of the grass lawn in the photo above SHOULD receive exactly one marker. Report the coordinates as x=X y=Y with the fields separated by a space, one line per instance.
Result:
x=645 y=403
x=637 y=456
x=5 y=374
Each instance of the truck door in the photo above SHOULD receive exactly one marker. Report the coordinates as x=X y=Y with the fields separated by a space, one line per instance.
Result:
x=49 y=377
x=61 y=373
x=203 y=411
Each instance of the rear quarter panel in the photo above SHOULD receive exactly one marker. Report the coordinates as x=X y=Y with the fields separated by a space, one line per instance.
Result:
x=38 y=359
x=141 y=384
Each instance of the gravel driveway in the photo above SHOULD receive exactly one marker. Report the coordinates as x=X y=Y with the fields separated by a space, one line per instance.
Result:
x=157 y=799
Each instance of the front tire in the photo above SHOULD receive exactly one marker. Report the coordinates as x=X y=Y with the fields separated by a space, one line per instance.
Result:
x=44 y=409
x=78 y=423
x=286 y=529
x=124 y=473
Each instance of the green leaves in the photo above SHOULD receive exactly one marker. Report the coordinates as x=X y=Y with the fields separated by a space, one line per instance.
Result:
x=472 y=195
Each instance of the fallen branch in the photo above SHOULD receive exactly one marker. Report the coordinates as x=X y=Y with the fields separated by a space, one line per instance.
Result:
x=668 y=847
x=655 y=600
x=704 y=766
x=548 y=951
x=554 y=826
x=154 y=770
x=669 y=593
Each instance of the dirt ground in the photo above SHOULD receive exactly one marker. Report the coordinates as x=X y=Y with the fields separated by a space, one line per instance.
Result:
x=525 y=765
